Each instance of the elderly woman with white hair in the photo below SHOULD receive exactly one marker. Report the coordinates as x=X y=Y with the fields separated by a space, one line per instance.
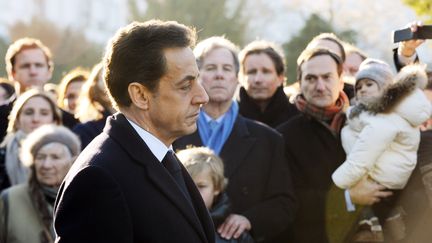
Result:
x=26 y=209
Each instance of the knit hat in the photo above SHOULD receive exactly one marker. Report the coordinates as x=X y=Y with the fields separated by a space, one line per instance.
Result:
x=375 y=70
x=48 y=134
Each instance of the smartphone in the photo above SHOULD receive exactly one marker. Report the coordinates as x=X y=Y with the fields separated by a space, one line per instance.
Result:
x=423 y=32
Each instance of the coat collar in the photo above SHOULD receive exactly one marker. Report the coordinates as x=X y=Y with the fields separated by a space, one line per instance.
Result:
x=237 y=146
x=278 y=105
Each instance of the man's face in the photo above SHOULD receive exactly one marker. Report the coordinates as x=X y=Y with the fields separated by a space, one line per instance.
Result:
x=31 y=68
x=320 y=83
x=352 y=64
x=206 y=187
x=260 y=78
x=72 y=93
x=174 y=106
x=218 y=75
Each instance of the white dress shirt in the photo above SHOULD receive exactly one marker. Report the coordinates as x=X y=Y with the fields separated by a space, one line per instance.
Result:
x=155 y=145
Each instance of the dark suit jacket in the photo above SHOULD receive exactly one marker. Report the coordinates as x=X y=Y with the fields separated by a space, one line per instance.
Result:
x=117 y=191
x=259 y=182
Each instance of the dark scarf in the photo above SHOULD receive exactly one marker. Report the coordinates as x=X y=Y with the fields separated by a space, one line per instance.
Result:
x=277 y=111
x=221 y=209
x=333 y=117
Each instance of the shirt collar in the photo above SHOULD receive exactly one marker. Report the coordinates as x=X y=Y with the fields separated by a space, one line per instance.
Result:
x=155 y=145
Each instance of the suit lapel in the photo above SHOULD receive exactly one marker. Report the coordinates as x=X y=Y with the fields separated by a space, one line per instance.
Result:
x=202 y=212
x=237 y=146
x=170 y=189
x=235 y=149
x=120 y=130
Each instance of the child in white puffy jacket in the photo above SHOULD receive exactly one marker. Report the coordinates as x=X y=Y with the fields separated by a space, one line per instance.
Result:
x=382 y=135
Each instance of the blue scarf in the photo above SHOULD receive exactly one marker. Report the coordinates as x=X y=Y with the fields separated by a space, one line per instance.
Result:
x=215 y=138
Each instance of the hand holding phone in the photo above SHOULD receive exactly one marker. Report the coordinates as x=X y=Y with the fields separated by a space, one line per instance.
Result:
x=423 y=32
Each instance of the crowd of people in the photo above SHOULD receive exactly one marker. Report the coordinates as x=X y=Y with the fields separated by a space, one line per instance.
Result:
x=169 y=140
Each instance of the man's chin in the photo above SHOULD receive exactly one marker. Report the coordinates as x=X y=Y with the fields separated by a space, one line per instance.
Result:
x=322 y=104
x=189 y=129
x=260 y=97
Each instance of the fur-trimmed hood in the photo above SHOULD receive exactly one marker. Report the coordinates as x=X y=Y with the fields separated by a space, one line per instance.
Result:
x=405 y=97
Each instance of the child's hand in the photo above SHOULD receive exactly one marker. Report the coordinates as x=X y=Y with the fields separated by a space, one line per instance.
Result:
x=234 y=225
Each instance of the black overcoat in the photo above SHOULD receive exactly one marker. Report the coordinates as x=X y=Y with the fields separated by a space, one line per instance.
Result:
x=117 y=191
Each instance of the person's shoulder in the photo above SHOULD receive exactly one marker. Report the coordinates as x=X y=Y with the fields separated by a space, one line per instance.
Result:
x=20 y=192
x=256 y=127
x=83 y=173
x=16 y=189
x=291 y=123
x=80 y=128
x=90 y=125
x=101 y=150
x=105 y=153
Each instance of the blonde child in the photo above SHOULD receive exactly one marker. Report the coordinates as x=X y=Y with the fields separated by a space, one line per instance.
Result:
x=207 y=171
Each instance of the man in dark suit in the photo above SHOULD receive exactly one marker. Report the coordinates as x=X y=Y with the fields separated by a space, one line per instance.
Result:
x=406 y=52
x=127 y=186
x=259 y=183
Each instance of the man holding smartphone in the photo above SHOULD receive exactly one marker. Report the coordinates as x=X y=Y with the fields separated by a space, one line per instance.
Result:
x=406 y=51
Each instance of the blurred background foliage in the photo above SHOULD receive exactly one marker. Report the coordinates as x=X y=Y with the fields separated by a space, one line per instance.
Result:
x=70 y=48
x=209 y=17
x=423 y=8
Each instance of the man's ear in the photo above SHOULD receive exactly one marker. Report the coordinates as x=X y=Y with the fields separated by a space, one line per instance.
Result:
x=341 y=83
x=11 y=75
x=281 y=79
x=50 y=74
x=139 y=95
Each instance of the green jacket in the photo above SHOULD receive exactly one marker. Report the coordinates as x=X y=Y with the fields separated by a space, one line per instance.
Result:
x=23 y=224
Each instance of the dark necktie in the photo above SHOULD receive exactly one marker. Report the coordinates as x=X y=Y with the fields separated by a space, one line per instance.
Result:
x=171 y=163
